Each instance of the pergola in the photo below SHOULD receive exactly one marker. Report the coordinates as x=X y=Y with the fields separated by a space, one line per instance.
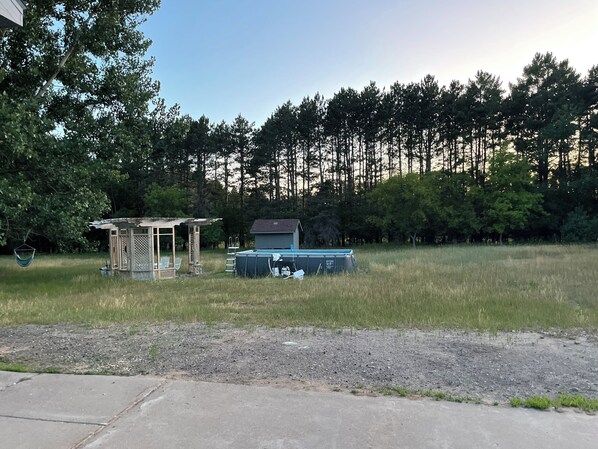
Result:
x=145 y=248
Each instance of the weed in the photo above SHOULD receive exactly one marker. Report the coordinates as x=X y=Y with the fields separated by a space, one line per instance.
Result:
x=536 y=402
x=403 y=392
x=14 y=367
x=517 y=402
x=577 y=401
x=22 y=368
x=439 y=395
x=153 y=353
x=102 y=373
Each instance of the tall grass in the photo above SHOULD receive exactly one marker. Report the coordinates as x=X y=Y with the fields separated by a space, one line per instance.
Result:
x=466 y=287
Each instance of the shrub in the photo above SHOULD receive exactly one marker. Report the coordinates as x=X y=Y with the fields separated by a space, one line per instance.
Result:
x=579 y=227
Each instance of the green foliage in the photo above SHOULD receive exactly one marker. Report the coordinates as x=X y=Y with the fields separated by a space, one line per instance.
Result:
x=14 y=367
x=74 y=88
x=322 y=227
x=404 y=205
x=17 y=367
x=165 y=201
x=563 y=400
x=212 y=235
x=17 y=192
x=438 y=395
x=577 y=401
x=403 y=392
x=509 y=197
x=459 y=217
x=541 y=111
x=579 y=227
x=537 y=402
x=46 y=184
x=584 y=189
x=153 y=353
x=453 y=206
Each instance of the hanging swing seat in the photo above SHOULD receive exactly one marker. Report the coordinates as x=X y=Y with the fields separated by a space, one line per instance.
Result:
x=24 y=255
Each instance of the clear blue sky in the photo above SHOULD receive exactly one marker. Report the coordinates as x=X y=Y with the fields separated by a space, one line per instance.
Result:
x=223 y=57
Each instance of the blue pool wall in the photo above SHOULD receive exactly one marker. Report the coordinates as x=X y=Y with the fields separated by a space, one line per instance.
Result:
x=258 y=262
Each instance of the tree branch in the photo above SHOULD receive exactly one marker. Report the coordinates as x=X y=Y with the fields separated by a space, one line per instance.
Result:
x=95 y=9
x=61 y=65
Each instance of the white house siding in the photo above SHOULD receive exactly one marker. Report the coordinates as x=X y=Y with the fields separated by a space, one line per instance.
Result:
x=11 y=13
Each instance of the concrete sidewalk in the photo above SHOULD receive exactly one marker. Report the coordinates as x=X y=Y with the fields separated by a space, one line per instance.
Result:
x=63 y=411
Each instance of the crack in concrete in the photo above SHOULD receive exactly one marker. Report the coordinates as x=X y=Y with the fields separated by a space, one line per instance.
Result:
x=140 y=398
x=61 y=421
x=23 y=379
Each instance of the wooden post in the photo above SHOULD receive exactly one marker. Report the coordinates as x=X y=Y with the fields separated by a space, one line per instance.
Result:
x=194 y=260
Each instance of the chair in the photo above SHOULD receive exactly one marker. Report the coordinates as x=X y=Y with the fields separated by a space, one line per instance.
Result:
x=24 y=255
x=164 y=262
x=297 y=275
x=177 y=263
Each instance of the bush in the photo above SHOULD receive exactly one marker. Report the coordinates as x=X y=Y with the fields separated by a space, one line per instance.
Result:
x=537 y=402
x=579 y=227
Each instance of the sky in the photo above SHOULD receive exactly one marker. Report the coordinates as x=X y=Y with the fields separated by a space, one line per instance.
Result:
x=222 y=58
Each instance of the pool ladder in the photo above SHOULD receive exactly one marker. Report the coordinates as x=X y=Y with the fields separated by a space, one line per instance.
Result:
x=231 y=255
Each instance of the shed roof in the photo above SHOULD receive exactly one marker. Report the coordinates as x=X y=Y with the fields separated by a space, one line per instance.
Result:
x=275 y=226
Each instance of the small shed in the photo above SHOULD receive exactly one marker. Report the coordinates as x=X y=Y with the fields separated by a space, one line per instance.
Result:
x=145 y=248
x=11 y=13
x=276 y=233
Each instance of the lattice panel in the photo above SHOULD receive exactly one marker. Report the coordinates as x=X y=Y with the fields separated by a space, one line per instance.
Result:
x=142 y=255
x=125 y=248
x=190 y=246
x=114 y=251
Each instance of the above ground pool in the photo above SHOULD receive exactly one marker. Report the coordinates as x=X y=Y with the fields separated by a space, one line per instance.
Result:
x=263 y=262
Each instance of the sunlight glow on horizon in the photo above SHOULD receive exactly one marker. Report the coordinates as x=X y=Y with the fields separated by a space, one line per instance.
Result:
x=227 y=58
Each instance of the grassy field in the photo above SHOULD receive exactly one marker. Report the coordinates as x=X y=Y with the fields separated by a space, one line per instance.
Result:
x=466 y=287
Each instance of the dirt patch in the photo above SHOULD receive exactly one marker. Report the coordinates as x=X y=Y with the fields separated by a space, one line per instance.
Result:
x=486 y=366
x=5 y=350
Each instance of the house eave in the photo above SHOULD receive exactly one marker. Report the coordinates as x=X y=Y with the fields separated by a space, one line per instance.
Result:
x=11 y=13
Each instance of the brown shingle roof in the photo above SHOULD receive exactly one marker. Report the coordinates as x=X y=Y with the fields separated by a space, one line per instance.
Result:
x=275 y=226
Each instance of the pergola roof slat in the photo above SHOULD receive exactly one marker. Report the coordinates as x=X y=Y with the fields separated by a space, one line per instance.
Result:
x=146 y=222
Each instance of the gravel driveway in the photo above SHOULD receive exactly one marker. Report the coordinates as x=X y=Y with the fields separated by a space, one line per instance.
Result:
x=491 y=367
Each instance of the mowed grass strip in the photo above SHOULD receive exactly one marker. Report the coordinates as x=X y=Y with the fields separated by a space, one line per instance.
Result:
x=465 y=287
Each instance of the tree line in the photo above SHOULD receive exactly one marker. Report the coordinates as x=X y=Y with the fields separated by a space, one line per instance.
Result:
x=482 y=162
x=86 y=135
